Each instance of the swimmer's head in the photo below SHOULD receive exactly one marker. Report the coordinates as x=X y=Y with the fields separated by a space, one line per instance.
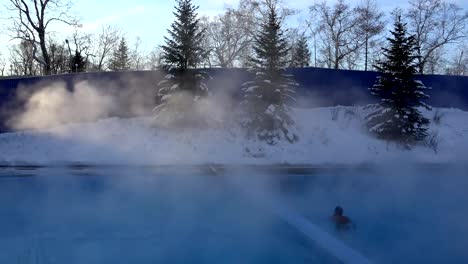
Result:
x=338 y=210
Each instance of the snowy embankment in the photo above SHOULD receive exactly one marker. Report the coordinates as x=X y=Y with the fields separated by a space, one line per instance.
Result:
x=328 y=136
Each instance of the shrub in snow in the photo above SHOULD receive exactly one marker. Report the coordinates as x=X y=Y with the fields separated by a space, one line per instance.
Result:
x=183 y=85
x=351 y=113
x=335 y=112
x=396 y=117
x=267 y=99
x=433 y=141
x=437 y=118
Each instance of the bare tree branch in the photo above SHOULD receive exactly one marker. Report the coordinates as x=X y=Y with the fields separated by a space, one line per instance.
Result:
x=31 y=23
x=338 y=28
x=106 y=43
x=435 y=23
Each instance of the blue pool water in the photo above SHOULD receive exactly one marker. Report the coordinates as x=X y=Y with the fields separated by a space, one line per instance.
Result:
x=402 y=214
x=169 y=215
x=123 y=215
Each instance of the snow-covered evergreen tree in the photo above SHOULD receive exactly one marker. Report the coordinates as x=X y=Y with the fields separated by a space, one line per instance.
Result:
x=300 y=53
x=267 y=99
x=397 y=117
x=120 y=60
x=183 y=84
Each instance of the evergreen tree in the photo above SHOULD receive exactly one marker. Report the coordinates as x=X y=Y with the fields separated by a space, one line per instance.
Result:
x=300 y=53
x=120 y=60
x=397 y=117
x=268 y=97
x=77 y=63
x=183 y=49
x=183 y=84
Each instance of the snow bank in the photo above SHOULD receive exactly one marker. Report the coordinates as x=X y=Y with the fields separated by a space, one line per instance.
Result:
x=328 y=136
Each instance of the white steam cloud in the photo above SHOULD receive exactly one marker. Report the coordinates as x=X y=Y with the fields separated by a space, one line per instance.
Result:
x=183 y=111
x=54 y=105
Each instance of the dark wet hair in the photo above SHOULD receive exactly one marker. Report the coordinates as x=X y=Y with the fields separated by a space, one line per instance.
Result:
x=338 y=210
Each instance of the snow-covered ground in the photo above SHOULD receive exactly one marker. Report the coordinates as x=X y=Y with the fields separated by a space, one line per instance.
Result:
x=328 y=136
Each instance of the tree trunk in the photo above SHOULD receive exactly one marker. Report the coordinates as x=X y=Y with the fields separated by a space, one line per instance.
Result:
x=367 y=52
x=420 y=61
x=421 y=67
x=337 y=59
x=45 y=54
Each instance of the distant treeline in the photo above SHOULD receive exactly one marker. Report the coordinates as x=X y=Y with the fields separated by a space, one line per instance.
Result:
x=337 y=35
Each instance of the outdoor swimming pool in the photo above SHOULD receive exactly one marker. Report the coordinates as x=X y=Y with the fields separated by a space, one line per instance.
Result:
x=173 y=215
x=123 y=215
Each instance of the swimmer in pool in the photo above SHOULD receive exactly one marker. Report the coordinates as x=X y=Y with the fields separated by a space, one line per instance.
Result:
x=341 y=222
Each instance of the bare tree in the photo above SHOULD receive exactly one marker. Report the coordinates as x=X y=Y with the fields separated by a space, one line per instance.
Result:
x=31 y=19
x=79 y=58
x=231 y=35
x=338 y=29
x=261 y=8
x=227 y=37
x=59 y=57
x=83 y=43
x=247 y=18
x=437 y=61
x=210 y=25
x=155 y=59
x=371 y=25
x=106 y=44
x=375 y=52
x=311 y=26
x=22 y=60
x=137 y=59
x=247 y=15
x=352 y=60
x=2 y=65
x=435 y=24
x=459 y=63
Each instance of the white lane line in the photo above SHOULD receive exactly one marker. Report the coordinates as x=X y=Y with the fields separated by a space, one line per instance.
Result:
x=324 y=240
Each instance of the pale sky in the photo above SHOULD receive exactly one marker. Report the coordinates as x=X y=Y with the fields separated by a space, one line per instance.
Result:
x=149 y=19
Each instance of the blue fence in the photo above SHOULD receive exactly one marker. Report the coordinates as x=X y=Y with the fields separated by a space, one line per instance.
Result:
x=318 y=87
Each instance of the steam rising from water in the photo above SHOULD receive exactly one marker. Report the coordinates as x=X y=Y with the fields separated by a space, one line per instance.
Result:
x=54 y=105
x=369 y=200
x=185 y=112
x=399 y=213
x=326 y=135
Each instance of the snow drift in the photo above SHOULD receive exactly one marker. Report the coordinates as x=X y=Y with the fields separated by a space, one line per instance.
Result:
x=327 y=136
